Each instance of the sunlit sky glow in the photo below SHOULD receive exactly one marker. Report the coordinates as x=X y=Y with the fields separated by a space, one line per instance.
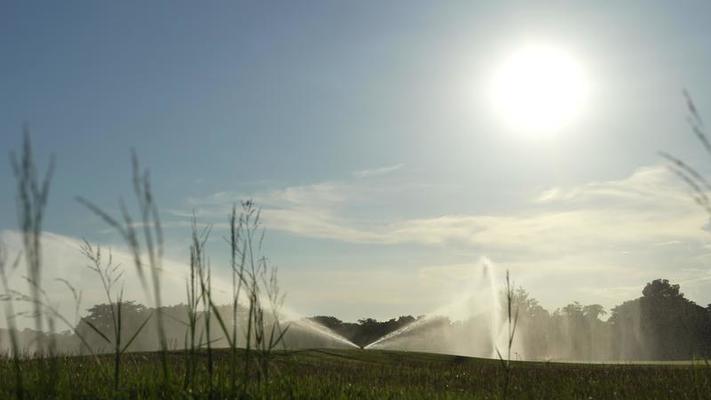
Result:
x=391 y=144
x=539 y=89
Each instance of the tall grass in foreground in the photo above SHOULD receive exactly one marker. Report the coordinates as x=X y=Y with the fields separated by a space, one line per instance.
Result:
x=250 y=271
x=194 y=294
x=264 y=330
x=10 y=318
x=32 y=197
x=511 y=324
x=200 y=267
x=699 y=185
x=237 y=262
x=110 y=275
x=150 y=242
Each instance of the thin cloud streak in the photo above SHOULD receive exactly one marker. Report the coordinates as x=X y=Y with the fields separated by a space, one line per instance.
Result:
x=648 y=207
x=365 y=173
x=615 y=234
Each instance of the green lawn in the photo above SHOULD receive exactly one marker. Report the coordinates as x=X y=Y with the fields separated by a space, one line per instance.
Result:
x=364 y=374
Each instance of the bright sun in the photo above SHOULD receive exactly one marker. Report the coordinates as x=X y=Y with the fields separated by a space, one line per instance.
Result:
x=539 y=90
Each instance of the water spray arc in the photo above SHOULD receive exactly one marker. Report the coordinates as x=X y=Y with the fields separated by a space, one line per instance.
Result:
x=314 y=329
x=320 y=330
x=480 y=301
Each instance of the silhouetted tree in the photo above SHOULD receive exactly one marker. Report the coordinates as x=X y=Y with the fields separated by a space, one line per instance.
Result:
x=662 y=325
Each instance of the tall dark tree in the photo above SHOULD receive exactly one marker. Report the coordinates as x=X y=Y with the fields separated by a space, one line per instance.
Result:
x=661 y=325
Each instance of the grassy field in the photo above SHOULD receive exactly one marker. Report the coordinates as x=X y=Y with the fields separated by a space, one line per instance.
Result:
x=361 y=374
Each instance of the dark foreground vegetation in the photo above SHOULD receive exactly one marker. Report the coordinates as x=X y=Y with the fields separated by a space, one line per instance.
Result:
x=365 y=374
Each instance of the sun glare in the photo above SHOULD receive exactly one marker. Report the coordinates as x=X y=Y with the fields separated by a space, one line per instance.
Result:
x=539 y=90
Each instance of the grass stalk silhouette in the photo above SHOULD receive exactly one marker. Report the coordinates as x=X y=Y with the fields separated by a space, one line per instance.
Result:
x=32 y=196
x=699 y=185
x=151 y=241
x=198 y=262
x=194 y=299
x=111 y=275
x=236 y=253
x=10 y=318
x=512 y=314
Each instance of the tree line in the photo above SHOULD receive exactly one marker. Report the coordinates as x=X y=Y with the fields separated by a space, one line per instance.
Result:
x=661 y=324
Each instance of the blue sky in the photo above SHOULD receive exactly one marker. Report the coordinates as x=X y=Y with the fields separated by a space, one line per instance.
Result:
x=362 y=129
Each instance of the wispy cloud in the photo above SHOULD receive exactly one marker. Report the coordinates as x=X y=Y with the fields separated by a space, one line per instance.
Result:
x=600 y=234
x=365 y=173
x=649 y=206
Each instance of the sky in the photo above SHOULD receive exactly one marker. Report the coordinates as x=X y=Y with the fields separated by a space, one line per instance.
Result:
x=365 y=132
